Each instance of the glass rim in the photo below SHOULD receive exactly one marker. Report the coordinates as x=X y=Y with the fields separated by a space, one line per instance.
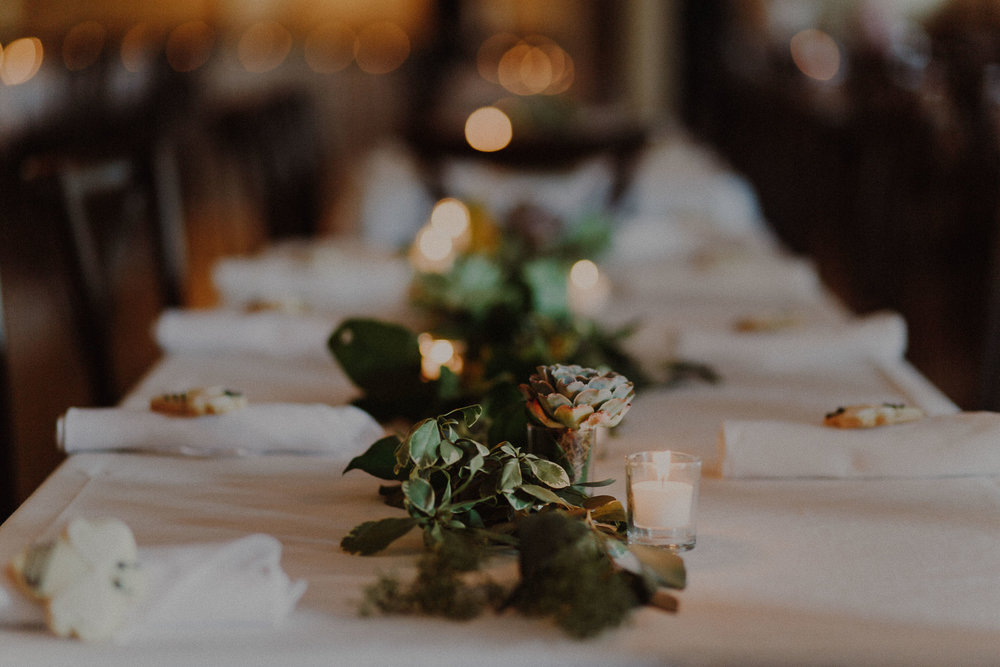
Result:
x=671 y=456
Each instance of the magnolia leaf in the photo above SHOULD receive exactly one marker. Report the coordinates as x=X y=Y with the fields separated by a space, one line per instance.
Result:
x=666 y=565
x=378 y=357
x=420 y=495
x=543 y=494
x=424 y=442
x=373 y=536
x=379 y=460
x=548 y=472
x=510 y=476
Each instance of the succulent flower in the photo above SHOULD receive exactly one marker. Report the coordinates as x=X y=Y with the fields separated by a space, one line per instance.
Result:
x=574 y=397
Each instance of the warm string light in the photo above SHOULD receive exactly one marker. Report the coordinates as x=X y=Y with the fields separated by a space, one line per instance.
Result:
x=816 y=54
x=535 y=65
x=488 y=129
x=20 y=60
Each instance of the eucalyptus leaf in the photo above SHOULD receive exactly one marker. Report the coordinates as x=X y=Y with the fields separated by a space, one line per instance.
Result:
x=374 y=536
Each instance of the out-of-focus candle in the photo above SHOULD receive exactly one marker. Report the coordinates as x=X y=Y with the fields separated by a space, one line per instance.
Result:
x=433 y=251
x=662 y=504
x=435 y=353
x=588 y=289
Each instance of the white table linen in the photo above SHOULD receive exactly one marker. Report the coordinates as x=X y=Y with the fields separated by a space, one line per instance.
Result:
x=886 y=571
x=945 y=445
x=260 y=428
x=191 y=590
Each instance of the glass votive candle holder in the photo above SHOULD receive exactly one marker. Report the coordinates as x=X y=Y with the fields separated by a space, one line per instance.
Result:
x=662 y=491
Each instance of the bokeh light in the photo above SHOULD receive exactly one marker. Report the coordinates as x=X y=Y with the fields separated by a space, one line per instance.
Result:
x=816 y=54
x=530 y=66
x=381 y=47
x=488 y=129
x=189 y=46
x=138 y=46
x=435 y=353
x=83 y=44
x=451 y=217
x=264 y=46
x=330 y=47
x=21 y=60
x=584 y=274
x=490 y=53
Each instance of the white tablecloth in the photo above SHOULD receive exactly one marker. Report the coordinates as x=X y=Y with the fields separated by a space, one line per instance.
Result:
x=785 y=571
x=829 y=572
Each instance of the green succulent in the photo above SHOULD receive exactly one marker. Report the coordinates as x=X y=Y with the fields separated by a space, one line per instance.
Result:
x=574 y=397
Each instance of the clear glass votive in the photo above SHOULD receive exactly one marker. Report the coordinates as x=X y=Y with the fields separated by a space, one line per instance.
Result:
x=662 y=491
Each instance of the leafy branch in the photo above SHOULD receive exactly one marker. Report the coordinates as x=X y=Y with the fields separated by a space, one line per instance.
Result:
x=467 y=497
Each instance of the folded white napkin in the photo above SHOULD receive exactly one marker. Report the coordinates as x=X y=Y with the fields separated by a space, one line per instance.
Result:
x=582 y=189
x=193 y=589
x=739 y=275
x=272 y=333
x=947 y=445
x=261 y=428
x=340 y=277
x=879 y=337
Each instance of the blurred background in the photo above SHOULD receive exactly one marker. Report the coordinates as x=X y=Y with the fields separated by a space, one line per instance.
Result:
x=140 y=142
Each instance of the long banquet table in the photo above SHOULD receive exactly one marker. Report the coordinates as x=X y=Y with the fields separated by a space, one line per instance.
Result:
x=880 y=571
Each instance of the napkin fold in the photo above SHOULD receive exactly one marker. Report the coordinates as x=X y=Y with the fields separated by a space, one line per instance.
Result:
x=272 y=333
x=331 y=276
x=192 y=589
x=881 y=336
x=261 y=428
x=942 y=446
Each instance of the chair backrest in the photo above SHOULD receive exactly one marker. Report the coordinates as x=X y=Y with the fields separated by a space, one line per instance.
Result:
x=8 y=490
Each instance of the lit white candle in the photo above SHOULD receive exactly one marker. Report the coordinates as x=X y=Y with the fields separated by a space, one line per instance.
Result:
x=662 y=504
x=587 y=289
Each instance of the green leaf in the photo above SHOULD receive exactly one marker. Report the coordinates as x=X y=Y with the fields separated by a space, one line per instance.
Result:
x=666 y=565
x=420 y=495
x=517 y=501
x=608 y=511
x=543 y=494
x=379 y=357
x=423 y=443
x=373 y=536
x=510 y=423
x=379 y=460
x=450 y=454
x=548 y=472
x=510 y=476
x=468 y=415
x=475 y=464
